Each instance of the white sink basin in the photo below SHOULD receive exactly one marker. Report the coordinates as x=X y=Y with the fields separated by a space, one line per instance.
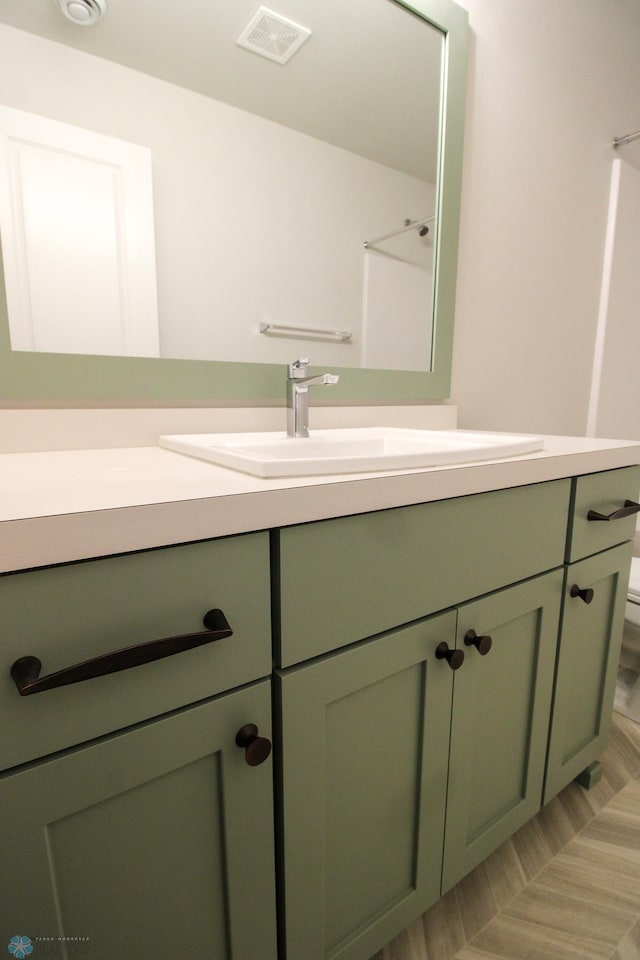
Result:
x=349 y=450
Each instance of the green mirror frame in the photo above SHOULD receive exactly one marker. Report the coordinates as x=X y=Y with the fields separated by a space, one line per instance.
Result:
x=47 y=379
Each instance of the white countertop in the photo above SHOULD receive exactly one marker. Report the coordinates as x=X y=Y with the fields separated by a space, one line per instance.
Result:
x=62 y=506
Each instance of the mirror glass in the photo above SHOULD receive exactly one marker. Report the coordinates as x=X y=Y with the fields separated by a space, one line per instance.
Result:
x=298 y=206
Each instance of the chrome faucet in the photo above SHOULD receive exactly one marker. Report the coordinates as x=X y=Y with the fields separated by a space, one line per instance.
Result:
x=298 y=384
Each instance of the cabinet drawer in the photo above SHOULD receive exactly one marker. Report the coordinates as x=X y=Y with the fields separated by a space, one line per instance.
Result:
x=346 y=579
x=604 y=493
x=69 y=614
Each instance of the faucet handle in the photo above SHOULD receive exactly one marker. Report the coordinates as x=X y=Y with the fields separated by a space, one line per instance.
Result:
x=298 y=369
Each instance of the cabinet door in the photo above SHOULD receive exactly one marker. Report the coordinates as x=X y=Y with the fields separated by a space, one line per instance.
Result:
x=365 y=737
x=154 y=843
x=587 y=664
x=500 y=720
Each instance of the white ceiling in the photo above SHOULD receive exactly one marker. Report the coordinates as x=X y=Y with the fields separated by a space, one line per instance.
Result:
x=367 y=79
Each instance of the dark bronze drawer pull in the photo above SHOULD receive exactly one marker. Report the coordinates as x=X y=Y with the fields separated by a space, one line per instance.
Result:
x=585 y=594
x=630 y=507
x=26 y=671
x=482 y=644
x=455 y=658
x=256 y=749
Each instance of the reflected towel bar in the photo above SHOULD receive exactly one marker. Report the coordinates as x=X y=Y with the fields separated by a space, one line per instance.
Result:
x=394 y=233
x=305 y=333
x=621 y=141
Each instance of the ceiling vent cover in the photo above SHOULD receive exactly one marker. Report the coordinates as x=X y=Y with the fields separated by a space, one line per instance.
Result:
x=83 y=12
x=273 y=36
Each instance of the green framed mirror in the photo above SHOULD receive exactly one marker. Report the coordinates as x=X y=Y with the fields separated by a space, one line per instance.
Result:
x=35 y=377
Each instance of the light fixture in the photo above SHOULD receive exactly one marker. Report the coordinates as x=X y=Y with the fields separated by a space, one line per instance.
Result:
x=84 y=13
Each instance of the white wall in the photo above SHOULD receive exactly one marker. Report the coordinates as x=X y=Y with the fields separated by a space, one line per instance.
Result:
x=550 y=84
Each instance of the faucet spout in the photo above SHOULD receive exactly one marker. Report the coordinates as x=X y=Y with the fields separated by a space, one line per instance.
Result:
x=323 y=378
x=298 y=384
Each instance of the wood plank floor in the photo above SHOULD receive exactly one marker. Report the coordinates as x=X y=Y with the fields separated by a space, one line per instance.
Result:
x=565 y=887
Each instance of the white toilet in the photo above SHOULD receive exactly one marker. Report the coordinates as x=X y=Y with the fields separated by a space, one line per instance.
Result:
x=628 y=684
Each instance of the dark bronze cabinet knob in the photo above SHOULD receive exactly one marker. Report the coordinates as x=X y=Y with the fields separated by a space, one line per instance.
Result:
x=586 y=594
x=482 y=644
x=455 y=658
x=256 y=749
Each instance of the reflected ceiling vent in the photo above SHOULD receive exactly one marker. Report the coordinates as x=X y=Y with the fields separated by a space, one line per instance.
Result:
x=83 y=12
x=273 y=36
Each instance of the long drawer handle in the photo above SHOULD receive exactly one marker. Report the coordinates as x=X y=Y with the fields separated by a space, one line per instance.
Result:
x=26 y=670
x=630 y=507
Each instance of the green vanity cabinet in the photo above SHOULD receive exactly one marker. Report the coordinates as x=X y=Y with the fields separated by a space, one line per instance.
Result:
x=407 y=745
x=156 y=842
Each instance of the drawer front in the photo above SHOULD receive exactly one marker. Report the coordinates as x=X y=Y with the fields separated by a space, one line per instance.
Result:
x=343 y=580
x=604 y=493
x=66 y=615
